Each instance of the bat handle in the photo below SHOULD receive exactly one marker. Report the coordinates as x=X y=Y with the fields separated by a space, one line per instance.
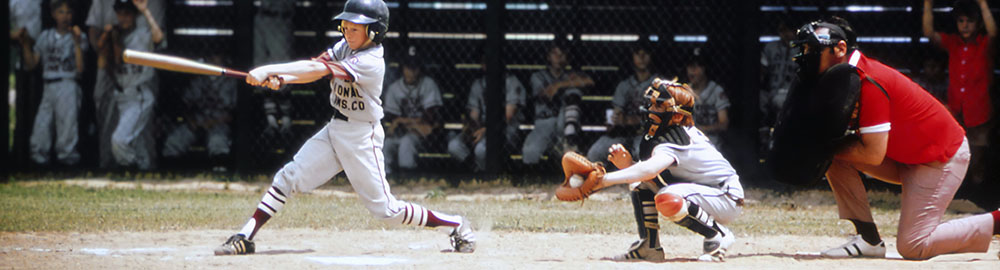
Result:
x=234 y=74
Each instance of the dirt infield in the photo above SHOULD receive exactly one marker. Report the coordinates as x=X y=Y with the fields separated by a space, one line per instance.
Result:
x=423 y=249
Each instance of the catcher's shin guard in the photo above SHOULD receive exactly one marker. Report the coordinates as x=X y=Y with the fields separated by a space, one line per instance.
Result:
x=646 y=217
x=692 y=217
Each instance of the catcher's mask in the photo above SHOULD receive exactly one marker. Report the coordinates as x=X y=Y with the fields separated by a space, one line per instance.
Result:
x=667 y=103
x=818 y=36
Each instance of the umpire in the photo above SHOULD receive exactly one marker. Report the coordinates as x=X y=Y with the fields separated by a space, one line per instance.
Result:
x=897 y=133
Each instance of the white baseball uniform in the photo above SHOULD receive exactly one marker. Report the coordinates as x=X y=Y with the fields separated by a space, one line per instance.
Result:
x=60 y=98
x=405 y=100
x=514 y=94
x=350 y=142
x=135 y=105
x=699 y=174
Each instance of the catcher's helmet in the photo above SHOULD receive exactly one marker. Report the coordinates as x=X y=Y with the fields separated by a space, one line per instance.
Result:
x=667 y=103
x=373 y=13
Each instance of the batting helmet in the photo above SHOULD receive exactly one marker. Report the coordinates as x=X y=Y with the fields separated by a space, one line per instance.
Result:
x=373 y=13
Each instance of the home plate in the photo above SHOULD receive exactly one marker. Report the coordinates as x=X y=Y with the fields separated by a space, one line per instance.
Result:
x=356 y=260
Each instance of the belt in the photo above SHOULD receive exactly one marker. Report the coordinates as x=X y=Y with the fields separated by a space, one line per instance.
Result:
x=338 y=115
x=55 y=80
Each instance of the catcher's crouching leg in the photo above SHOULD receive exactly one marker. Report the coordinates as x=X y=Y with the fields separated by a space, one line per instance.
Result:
x=718 y=238
x=647 y=248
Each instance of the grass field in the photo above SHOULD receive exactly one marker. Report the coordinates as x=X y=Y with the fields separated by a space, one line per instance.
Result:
x=103 y=213
x=58 y=206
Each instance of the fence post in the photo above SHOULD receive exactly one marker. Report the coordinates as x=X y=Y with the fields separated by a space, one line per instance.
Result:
x=243 y=57
x=495 y=13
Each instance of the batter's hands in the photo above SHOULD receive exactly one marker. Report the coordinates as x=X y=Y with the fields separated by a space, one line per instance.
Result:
x=619 y=156
x=260 y=77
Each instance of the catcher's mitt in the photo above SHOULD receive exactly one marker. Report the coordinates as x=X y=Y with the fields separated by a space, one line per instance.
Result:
x=591 y=172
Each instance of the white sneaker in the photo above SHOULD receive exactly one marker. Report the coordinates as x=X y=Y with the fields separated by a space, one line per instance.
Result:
x=715 y=247
x=856 y=248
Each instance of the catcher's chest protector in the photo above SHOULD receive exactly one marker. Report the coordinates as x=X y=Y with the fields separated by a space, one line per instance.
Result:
x=673 y=134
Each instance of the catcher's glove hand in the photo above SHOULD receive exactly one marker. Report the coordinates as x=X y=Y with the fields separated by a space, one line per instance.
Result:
x=592 y=173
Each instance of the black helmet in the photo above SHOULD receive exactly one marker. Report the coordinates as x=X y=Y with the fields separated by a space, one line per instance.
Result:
x=373 y=13
x=125 y=5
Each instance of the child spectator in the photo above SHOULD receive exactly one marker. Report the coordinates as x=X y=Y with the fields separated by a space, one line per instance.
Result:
x=60 y=52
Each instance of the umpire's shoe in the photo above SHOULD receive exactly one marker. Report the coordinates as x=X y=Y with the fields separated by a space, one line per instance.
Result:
x=856 y=247
x=236 y=245
x=640 y=251
x=715 y=247
x=463 y=239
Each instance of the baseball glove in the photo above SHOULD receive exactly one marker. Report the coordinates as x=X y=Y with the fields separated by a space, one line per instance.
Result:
x=592 y=173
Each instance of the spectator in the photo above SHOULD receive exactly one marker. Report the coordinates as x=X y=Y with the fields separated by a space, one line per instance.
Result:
x=557 y=94
x=411 y=111
x=208 y=107
x=711 y=112
x=474 y=132
x=933 y=78
x=272 y=43
x=135 y=98
x=25 y=25
x=60 y=52
x=626 y=117
x=100 y=21
x=970 y=69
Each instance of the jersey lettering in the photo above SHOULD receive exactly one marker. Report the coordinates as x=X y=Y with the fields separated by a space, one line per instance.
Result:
x=340 y=100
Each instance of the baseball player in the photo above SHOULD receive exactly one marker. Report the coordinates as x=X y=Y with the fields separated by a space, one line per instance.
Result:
x=907 y=138
x=627 y=100
x=135 y=100
x=60 y=52
x=352 y=140
x=474 y=132
x=209 y=102
x=682 y=176
x=557 y=93
x=712 y=111
x=412 y=108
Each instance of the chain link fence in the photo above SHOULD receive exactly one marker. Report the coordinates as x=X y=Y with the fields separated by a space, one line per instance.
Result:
x=570 y=76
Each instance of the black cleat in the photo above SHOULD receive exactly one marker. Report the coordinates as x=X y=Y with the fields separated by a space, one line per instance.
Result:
x=236 y=245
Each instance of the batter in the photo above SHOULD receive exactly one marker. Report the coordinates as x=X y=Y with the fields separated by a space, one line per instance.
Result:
x=352 y=140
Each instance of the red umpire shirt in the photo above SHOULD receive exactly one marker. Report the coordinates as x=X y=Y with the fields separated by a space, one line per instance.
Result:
x=921 y=129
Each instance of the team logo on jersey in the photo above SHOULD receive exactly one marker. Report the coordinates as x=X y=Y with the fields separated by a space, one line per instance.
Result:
x=348 y=98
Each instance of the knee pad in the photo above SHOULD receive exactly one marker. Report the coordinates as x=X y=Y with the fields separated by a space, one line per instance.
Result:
x=572 y=113
x=672 y=206
x=270 y=107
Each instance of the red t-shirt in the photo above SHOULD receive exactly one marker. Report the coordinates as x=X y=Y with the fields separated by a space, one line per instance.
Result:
x=969 y=74
x=920 y=128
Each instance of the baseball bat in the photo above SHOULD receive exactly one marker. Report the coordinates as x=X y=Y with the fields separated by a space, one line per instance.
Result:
x=178 y=64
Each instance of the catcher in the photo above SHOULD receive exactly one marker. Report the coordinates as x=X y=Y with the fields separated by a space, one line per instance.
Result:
x=681 y=176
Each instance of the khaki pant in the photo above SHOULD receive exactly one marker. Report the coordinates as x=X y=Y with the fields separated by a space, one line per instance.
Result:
x=927 y=190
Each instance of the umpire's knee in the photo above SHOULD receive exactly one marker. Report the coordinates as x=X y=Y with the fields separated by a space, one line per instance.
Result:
x=913 y=248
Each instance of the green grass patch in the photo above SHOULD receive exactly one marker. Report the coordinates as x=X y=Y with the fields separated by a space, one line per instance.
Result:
x=48 y=206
